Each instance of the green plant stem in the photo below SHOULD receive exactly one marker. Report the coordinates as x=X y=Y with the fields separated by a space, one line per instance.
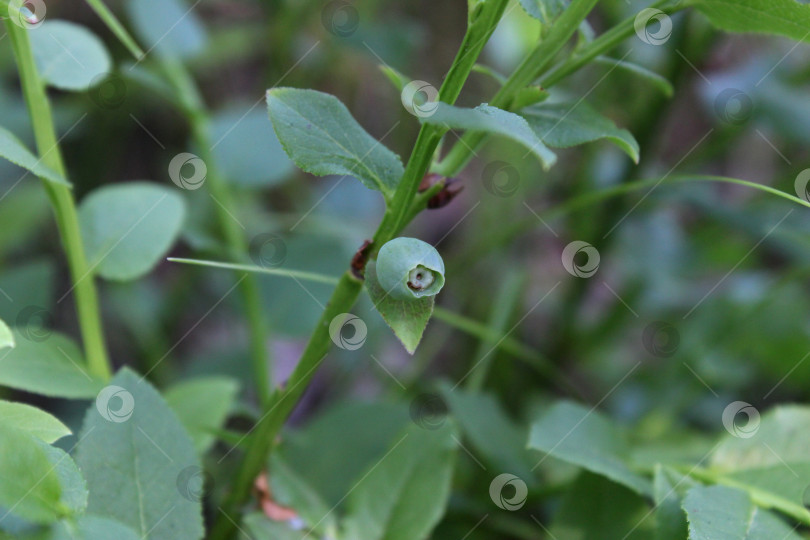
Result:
x=462 y=152
x=234 y=236
x=482 y=24
x=116 y=28
x=64 y=207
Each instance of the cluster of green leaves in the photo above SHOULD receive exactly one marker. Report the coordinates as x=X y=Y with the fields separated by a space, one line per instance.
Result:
x=360 y=471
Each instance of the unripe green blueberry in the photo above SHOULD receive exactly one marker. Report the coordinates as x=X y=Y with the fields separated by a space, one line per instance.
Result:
x=408 y=268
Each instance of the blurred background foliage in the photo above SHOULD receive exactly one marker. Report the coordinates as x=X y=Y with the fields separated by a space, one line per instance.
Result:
x=699 y=299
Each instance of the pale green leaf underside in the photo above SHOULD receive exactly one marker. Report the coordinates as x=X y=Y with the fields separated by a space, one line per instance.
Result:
x=407 y=318
x=562 y=125
x=32 y=420
x=6 y=337
x=320 y=135
x=15 y=151
x=138 y=469
x=492 y=120
x=69 y=56
x=543 y=10
x=788 y=18
x=403 y=495
x=724 y=513
x=52 y=367
x=202 y=405
x=586 y=438
x=127 y=228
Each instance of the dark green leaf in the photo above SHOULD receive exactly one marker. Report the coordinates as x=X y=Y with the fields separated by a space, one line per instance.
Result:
x=561 y=125
x=586 y=438
x=669 y=487
x=320 y=135
x=202 y=405
x=788 y=18
x=140 y=462
x=492 y=120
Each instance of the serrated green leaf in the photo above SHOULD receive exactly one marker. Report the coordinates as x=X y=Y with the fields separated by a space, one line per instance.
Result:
x=202 y=405
x=6 y=336
x=404 y=494
x=724 y=513
x=29 y=485
x=544 y=11
x=561 y=125
x=53 y=367
x=136 y=463
x=652 y=77
x=407 y=318
x=788 y=18
x=320 y=135
x=595 y=508
x=73 y=488
x=246 y=149
x=171 y=28
x=15 y=151
x=586 y=438
x=34 y=421
x=492 y=120
x=69 y=56
x=128 y=228
x=89 y=527
x=669 y=486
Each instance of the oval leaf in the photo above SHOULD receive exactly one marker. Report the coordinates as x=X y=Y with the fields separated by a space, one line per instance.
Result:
x=32 y=420
x=320 y=135
x=140 y=463
x=169 y=27
x=69 y=56
x=128 y=228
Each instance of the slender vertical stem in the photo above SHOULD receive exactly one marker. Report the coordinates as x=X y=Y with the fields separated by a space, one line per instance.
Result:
x=87 y=305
